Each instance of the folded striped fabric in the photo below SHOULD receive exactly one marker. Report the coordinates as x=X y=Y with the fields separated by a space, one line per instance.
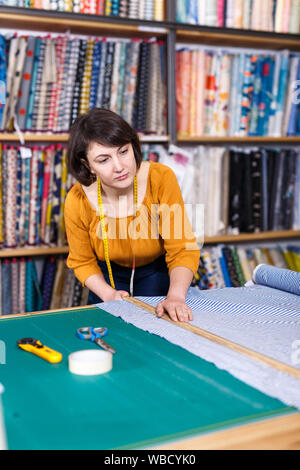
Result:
x=279 y=278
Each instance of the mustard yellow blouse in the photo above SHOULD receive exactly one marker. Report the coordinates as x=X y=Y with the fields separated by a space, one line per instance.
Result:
x=161 y=226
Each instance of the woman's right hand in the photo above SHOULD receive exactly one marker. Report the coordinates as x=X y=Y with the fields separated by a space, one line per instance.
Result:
x=119 y=294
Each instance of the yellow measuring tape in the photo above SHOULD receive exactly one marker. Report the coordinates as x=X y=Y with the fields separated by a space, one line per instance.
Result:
x=104 y=234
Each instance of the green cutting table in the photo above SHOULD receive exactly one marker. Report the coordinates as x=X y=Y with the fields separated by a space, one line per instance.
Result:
x=157 y=393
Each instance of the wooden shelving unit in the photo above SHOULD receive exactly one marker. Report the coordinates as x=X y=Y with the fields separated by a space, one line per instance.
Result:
x=73 y=23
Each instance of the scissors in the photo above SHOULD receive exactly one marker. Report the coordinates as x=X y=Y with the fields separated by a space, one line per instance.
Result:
x=95 y=335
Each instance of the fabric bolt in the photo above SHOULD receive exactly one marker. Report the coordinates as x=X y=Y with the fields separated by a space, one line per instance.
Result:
x=121 y=77
x=78 y=80
x=39 y=92
x=20 y=59
x=86 y=79
x=142 y=88
x=52 y=88
x=55 y=215
x=108 y=75
x=10 y=222
x=115 y=77
x=183 y=90
x=6 y=287
x=62 y=123
x=49 y=197
x=3 y=78
x=33 y=296
x=148 y=12
x=22 y=282
x=47 y=282
x=1 y=196
x=60 y=71
x=124 y=111
x=40 y=195
x=22 y=104
x=277 y=278
x=123 y=8
x=141 y=9
x=95 y=74
x=115 y=7
x=158 y=14
x=46 y=77
x=108 y=7
x=99 y=100
x=67 y=291
x=132 y=80
x=71 y=75
x=56 y=298
x=31 y=99
x=133 y=9
x=34 y=174
x=11 y=67
x=193 y=102
x=100 y=7
x=77 y=293
x=18 y=196
x=15 y=286
x=46 y=183
x=63 y=192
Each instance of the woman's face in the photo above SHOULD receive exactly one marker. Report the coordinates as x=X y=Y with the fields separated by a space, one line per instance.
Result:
x=114 y=166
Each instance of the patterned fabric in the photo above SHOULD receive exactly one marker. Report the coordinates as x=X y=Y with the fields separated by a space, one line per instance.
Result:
x=95 y=74
x=21 y=110
x=15 y=285
x=86 y=79
x=78 y=79
x=99 y=101
x=33 y=296
x=277 y=278
x=1 y=196
x=107 y=75
x=29 y=117
x=55 y=215
x=47 y=282
x=39 y=90
x=3 y=65
x=10 y=225
x=34 y=170
x=6 y=287
x=22 y=283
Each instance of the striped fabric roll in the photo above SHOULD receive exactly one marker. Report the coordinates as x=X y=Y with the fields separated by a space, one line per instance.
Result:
x=86 y=79
x=278 y=278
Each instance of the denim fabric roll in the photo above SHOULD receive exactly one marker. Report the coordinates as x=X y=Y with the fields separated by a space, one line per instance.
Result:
x=278 y=278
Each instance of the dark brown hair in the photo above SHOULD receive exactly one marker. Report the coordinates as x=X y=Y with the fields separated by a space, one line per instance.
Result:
x=103 y=127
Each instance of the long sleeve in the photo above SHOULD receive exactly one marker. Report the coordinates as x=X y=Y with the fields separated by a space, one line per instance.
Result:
x=174 y=225
x=82 y=258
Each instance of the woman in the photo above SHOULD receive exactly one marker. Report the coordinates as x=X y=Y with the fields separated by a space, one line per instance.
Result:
x=125 y=220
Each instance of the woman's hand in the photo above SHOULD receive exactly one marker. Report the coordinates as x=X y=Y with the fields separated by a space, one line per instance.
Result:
x=119 y=294
x=176 y=308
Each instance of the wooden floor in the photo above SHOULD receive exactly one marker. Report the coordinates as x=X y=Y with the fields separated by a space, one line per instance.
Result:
x=281 y=433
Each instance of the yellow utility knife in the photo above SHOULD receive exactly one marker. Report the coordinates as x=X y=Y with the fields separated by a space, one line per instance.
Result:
x=36 y=347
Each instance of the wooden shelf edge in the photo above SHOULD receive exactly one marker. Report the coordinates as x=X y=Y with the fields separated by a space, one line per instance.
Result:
x=252 y=237
x=64 y=137
x=236 y=139
x=261 y=40
x=32 y=251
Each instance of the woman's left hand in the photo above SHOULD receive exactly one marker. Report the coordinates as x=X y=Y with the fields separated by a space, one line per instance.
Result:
x=176 y=308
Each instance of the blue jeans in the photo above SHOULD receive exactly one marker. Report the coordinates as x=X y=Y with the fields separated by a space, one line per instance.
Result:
x=150 y=280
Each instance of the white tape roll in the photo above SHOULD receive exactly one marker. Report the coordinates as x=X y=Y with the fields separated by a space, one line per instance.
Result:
x=90 y=362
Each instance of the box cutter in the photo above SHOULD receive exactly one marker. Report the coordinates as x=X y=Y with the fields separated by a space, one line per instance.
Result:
x=36 y=347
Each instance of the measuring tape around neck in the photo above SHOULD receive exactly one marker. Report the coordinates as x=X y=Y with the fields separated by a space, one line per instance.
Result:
x=104 y=234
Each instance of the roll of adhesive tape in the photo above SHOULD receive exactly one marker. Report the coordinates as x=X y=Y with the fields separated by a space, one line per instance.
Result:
x=90 y=362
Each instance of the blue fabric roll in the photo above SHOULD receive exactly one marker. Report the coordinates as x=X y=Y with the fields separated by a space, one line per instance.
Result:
x=279 y=278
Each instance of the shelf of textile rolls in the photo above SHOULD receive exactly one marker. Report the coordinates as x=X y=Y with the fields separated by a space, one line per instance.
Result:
x=64 y=137
x=57 y=21
x=239 y=38
x=229 y=238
